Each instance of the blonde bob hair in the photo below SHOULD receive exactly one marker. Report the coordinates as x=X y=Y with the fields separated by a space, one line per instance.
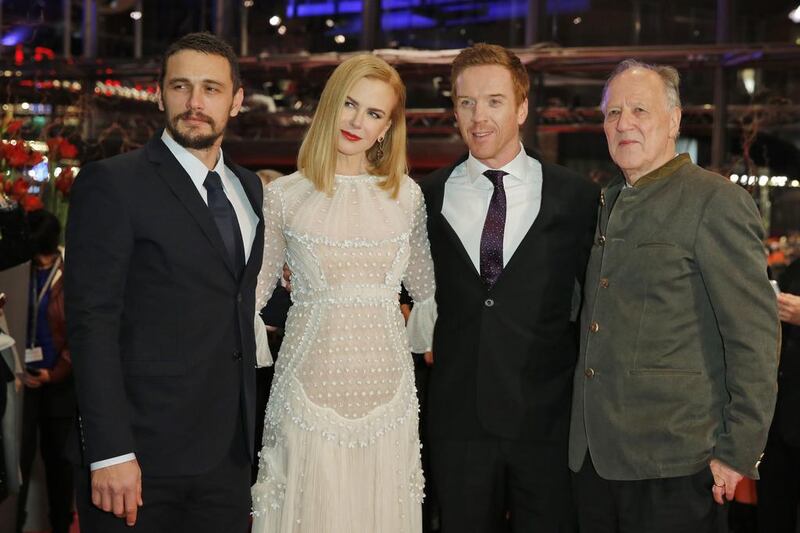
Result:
x=318 y=153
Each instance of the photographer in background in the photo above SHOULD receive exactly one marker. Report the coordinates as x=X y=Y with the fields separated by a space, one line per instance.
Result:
x=49 y=400
x=779 y=486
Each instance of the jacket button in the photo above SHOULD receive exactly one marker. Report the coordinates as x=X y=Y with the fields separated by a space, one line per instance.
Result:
x=237 y=355
x=603 y=283
x=594 y=327
x=489 y=302
x=602 y=200
x=239 y=298
x=589 y=373
x=601 y=240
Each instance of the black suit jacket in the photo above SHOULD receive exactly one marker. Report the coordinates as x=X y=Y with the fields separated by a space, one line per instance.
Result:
x=504 y=356
x=160 y=326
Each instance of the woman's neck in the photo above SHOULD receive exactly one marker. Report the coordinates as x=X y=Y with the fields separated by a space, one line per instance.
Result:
x=351 y=165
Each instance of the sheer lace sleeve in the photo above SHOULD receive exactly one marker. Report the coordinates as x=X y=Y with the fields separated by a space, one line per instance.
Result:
x=419 y=280
x=271 y=266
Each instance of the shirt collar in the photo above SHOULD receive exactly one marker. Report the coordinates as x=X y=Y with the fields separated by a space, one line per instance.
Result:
x=194 y=167
x=516 y=168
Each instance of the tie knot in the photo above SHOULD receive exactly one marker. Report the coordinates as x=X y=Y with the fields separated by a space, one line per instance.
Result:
x=495 y=176
x=213 y=181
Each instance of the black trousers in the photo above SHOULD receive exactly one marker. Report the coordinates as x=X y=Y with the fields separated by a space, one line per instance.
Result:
x=779 y=486
x=217 y=501
x=668 y=505
x=52 y=433
x=495 y=485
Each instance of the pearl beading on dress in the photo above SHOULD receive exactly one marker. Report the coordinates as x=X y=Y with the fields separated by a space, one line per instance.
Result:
x=344 y=375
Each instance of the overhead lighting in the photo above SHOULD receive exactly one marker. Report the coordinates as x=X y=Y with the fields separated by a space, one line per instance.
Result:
x=794 y=15
x=330 y=23
x=282 y=30
x=577 y=20
x=339 y=39
x=249 y=3
x=136 y=15
x=274 y=20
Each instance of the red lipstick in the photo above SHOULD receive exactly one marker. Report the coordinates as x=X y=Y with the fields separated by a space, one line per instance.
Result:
x=349 y=136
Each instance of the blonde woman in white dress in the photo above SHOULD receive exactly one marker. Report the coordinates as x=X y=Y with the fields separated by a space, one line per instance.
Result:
x=341 y=451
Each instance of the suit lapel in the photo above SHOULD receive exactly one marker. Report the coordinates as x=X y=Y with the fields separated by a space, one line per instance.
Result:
x=252 y=188
x=547 y=210
x=176 y=178
x=435 y=200
x=448 y=230
x=255 y=194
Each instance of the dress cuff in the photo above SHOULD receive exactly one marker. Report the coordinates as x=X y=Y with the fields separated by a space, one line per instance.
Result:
x=420 y=325
x=263 y=353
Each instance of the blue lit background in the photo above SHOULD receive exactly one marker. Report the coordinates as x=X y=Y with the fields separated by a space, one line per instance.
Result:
x=416 y=14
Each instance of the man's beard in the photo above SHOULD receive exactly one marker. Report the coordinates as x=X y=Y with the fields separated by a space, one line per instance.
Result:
x=196 y=142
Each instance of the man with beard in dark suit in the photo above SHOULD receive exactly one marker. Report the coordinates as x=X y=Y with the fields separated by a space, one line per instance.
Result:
x=510 y=237
x=165 y=244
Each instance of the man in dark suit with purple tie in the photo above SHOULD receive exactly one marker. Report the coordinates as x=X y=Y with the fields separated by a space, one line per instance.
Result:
x=510 y=237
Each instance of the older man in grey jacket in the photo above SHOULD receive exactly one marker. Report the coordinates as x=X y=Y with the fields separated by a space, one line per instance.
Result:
x=676 y=382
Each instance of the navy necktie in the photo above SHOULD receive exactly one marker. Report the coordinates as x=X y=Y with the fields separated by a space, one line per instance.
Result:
x=493 y=230
x=225 y=218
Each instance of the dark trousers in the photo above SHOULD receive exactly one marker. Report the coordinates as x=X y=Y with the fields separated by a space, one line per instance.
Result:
x=669 y=505
x=217 y=501
x=52 y=433
x=495 y=485
x=779 y=486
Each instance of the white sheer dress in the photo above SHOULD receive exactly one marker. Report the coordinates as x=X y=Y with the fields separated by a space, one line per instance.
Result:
x=341 y=451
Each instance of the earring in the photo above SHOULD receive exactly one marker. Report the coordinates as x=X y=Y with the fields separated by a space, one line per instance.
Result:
x=379 y=151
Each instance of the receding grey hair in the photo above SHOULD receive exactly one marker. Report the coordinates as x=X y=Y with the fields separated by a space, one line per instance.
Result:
x=669 y=75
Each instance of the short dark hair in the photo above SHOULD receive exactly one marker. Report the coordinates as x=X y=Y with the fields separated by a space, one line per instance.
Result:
x=205 y=43
x=481 y=54
x=45 y=232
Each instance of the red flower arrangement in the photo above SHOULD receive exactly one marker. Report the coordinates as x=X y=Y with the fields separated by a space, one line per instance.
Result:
x=60 y=148
x=64 y=182
x=16 y=156
x=13 y=127
x=31 y=202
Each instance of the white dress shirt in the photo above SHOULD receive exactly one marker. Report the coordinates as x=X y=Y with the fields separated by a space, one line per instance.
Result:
x=467 y=194
x=248 y=220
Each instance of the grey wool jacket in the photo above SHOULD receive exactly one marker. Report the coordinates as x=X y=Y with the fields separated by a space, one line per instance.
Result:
x=679 y=330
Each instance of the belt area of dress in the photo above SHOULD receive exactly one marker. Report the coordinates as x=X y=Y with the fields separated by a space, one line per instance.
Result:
x=347 y=295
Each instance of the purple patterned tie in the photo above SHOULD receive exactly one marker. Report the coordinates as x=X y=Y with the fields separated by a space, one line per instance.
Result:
x=493 y=229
